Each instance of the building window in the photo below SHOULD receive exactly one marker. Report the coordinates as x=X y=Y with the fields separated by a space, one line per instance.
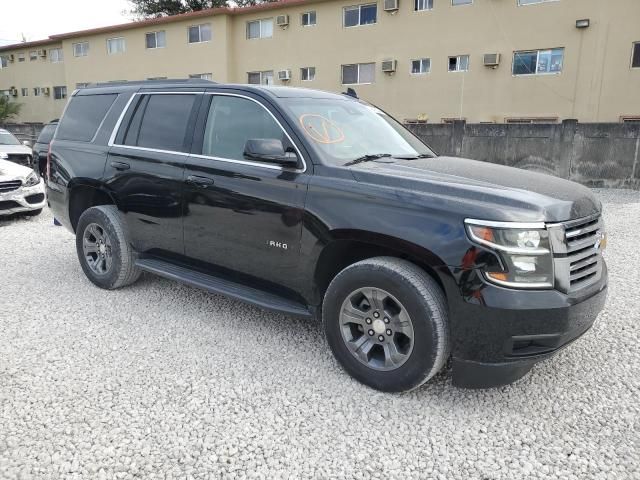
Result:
x=538 y=62
x=532 y=2
x=156 y=78
x=37 y=91
x=59 y=93
x=459 y=63
x=4 y=62
x=360 y=15
x=420 y=66
x=630 y=119
x=200 y=33
x=452 y=120
x=307 y=74
x=156 y=39
x=203 y=76
x=531 y=120
x=260 y=78
x=25 y=92
x=21 y=57
x=82 y=85
x=81 y=49
x=33 y=55
x=260 y=28
x=420 y=5
x=461 y=2
x=56 y=55
x=115 y=45
x=308 y=19
x=358 y=73
x=635 y=59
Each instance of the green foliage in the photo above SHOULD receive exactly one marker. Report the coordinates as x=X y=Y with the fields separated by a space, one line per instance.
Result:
x=8 y=109
x=163 y=8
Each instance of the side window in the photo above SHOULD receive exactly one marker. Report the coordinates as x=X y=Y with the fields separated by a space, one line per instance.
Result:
x=160 y=122
x=83 y=116
x=47 y=133
x=234 y=120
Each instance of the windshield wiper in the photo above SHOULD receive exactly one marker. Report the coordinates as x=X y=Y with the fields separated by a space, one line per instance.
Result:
x=367 y=158
x=414 y=157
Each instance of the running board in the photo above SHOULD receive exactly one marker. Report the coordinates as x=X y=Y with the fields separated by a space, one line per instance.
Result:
x=222 y=286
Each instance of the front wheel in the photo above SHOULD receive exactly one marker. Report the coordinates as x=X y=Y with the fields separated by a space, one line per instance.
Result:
x=103 y=248
x=385 y=320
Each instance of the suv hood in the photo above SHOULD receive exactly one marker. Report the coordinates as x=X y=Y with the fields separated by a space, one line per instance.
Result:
x=483 y=190
x=15 y=149
x=13 y=171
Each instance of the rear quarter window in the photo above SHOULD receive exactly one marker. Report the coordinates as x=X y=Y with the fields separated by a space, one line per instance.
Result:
x=83 y=116
x=47 y=133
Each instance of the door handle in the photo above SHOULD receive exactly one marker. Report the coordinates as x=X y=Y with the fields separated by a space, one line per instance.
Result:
x=199 y=181
x=120 y=165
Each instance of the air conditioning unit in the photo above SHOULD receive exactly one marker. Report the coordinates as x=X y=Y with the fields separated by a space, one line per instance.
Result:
x=12 y=58
x=13 y=91
x=284 y=75
x=282 y=20
x=491 y=59
x=389 y=66
x=42 y=53
x=46 y=91
x=391 y=5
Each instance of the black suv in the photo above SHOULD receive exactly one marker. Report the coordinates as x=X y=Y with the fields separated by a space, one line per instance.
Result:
x=321 y=205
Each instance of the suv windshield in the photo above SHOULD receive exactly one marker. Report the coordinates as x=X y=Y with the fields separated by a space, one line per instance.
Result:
x=7 y=138
x=346 y=132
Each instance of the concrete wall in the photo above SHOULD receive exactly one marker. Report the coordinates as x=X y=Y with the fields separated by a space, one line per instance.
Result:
x=594 y=154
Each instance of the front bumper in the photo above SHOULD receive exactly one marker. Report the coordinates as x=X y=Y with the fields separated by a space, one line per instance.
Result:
x=24 y=199
x=499 y=335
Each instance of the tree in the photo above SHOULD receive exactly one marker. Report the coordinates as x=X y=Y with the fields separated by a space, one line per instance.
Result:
x=163 y=8
x=8 y=109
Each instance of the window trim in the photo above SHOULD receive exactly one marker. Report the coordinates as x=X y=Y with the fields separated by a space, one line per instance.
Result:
x=308 y=79
x=634 y=45
x=73 y=47
x=419 y=60
x=261 y=72
x=358 y=64
x=308 y=13
x=62 y=96
x=248 y=162
x=359 y=5
x=537 y=51
x=259 y=22
x=415 y=10
x=458 y=61
x=199 y=25
x=155 y=36
x=59 y=54
x=124 y=46
x=470 y=2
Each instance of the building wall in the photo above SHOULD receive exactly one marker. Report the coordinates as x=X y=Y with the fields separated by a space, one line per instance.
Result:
x=596 y=84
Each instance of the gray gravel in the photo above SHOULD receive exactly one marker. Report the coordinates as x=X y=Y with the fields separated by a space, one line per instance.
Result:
x=159 y=380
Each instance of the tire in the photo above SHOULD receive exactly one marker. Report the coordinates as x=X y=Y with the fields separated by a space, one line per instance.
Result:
x=33 y=213
x=399 y=360
x=116 y=270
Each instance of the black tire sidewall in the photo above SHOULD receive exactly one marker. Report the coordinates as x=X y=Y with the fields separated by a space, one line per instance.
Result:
x=96 y=215
x=425 y=349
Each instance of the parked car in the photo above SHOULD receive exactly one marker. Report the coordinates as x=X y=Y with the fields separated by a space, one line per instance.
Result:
x=41 y=147
x=321 y=205
x=14 y=150
x=21 y=190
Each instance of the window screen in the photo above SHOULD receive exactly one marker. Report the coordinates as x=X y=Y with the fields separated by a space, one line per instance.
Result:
x=231 y=122
x=83 y=116
x=163 y=121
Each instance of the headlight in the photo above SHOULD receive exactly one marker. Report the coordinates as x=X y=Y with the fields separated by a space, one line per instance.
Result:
x=32 y=180
x=3 y=156
x=524 y=251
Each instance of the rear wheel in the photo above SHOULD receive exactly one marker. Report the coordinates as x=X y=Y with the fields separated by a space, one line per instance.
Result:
x=386 y=322
x=103 y=248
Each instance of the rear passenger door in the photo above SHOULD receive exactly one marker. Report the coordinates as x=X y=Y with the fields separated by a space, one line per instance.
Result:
x=145 y=167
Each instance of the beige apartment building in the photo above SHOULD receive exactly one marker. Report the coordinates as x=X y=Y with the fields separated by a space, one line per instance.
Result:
x=428 y=60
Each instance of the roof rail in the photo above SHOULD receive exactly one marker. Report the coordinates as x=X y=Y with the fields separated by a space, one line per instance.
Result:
x=172 y=81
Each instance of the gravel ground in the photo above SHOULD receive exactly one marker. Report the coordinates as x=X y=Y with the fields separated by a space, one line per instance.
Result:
x=159 y=380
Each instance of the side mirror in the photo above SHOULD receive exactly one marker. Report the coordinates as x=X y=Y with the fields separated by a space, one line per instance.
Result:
x=26 y=143
x=269 y=150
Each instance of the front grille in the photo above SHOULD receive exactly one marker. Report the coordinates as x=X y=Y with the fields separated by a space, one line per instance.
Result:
x=20 y=158
x=36 y=198
x=578 y=257
x=8 y=205
x=10 y=186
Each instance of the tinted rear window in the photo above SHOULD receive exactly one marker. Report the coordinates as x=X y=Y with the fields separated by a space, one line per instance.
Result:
x=163 y=122
x=47 y=133
x=83 y=116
